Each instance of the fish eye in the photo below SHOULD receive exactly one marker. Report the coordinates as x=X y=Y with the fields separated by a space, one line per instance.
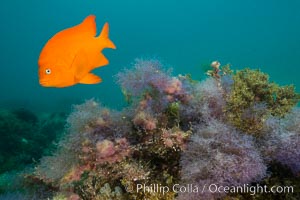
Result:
x=48 y=71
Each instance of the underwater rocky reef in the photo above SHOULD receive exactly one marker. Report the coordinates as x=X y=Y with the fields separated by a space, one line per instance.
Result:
x=176 y=137
x=25 y=136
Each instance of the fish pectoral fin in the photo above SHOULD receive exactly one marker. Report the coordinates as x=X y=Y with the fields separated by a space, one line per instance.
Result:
x=81 y=65
x=90 y=79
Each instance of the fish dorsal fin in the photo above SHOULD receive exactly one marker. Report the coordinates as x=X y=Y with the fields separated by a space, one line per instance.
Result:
x=88 y=25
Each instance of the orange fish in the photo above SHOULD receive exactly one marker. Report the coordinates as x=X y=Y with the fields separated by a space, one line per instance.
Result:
x=70 y=55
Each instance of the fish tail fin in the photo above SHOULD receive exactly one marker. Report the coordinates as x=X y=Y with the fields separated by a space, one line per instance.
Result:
x=105 y=41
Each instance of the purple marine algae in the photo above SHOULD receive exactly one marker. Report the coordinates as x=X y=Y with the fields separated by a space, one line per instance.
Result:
x=175 y=131
x=282 y=141
x=219 y=154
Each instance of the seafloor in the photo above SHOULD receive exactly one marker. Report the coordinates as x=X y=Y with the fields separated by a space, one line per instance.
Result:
x=178 y=138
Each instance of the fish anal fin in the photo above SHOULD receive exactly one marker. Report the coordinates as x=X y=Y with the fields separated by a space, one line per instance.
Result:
x=90 y=79
x=88 y=25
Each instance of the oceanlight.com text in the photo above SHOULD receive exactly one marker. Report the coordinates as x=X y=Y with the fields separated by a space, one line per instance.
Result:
x=251 y=189
x=211 y=188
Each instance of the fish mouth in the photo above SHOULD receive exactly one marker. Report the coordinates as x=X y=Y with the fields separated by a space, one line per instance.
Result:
x=44 y=83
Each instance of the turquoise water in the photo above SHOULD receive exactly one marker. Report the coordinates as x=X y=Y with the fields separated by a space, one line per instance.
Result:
x=256 y=34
